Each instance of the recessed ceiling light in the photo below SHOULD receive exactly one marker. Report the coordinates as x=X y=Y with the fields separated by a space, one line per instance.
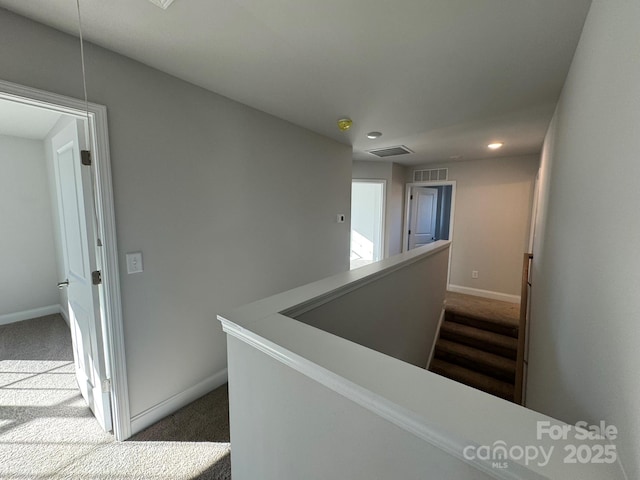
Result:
x=495 y=146
x=374 y=135
x=164 y=4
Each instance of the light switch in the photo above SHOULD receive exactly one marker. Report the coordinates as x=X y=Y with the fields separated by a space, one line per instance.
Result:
x=134 y=262
x=340 y=218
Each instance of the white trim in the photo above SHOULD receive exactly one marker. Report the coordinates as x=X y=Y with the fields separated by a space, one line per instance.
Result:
x=29 y=314
x=152 y=415
x=110 y=289
x=476 y=292
x=435 y=339
x=377 y=404
x=407 y=206
x=63 y=312
x=381 y=270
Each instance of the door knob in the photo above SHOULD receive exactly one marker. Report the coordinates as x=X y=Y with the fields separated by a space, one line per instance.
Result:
x=61 y=285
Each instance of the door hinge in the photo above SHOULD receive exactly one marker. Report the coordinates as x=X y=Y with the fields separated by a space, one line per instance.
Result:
x=85 y=157
x=106 y=386
x=409 y=232
x=96 y=277
x=411 y=197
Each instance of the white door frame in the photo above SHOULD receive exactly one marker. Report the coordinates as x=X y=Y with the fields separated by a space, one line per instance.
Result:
x=407 y=206
x=96 y=115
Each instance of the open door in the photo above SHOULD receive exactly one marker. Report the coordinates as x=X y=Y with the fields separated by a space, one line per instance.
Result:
x=77 y=226
x=422 y=216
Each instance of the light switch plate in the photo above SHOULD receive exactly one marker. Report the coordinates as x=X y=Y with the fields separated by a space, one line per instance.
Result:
x=134 y=262
x=340 y=218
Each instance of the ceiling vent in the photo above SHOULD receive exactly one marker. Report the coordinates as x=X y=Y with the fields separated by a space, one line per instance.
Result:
x=431 y=175
x=391 y=151
x=164 y=4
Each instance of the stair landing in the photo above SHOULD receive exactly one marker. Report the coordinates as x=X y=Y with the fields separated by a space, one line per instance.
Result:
x=494 y=310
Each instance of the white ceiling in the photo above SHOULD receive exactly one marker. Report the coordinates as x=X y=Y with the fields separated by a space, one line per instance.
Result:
x=444 y=77
x=26 y=121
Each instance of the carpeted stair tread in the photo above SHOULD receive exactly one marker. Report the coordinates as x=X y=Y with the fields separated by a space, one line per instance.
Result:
x=475 y=359
x=481 y=339
x=473 y=379
x=497 y=326
x=484 y=308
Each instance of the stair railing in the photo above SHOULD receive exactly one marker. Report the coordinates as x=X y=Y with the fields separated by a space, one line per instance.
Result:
x=522 y=329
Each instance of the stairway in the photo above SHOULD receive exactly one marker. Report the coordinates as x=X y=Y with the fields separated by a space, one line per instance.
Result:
x=478 y=344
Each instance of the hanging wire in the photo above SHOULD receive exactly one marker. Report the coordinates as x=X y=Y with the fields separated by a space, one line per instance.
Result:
x=84 y=74
x=89 y=125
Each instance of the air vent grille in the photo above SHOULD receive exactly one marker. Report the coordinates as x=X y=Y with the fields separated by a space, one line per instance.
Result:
x=430 y=175
x=391 y=151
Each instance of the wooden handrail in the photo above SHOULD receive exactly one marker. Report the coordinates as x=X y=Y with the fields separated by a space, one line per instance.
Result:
x=518 y=396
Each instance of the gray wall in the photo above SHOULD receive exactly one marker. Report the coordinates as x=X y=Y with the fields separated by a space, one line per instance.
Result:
x=396 y=315
x=227 y=204
x=28 y=274
x=492 y=220
x=395 y=218
x=585 y=333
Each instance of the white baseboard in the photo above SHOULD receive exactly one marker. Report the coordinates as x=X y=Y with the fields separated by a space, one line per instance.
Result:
x=504 y=297
x=63 y=314
x=152 y=415
x=29 y=314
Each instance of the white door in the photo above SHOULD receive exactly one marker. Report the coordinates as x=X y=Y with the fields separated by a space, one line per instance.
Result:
x=77 y=224
x=423 y=215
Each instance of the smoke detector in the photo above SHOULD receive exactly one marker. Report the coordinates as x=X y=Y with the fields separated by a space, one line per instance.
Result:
x=163 y=4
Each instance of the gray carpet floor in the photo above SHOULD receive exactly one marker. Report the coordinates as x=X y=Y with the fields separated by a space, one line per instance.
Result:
x=48 y=432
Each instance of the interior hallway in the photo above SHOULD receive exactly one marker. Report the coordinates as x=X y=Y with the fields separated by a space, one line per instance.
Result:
x=47 y=431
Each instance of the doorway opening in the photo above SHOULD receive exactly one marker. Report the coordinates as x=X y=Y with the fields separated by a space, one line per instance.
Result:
x=75 y=154
x=367 y=222
x=429 y=214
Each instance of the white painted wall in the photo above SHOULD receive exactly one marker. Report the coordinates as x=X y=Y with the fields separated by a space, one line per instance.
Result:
x=585 y=333
x=394 y=175
x=28 y=273
x=492 y=220
x=227 y=204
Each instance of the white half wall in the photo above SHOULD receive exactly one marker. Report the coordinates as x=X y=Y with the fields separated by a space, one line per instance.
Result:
x=226 y=203
x=313 y=432
x=493 y=203
x=27 y=254
x=309 y=404
x=584 y=355
x=397 y=314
